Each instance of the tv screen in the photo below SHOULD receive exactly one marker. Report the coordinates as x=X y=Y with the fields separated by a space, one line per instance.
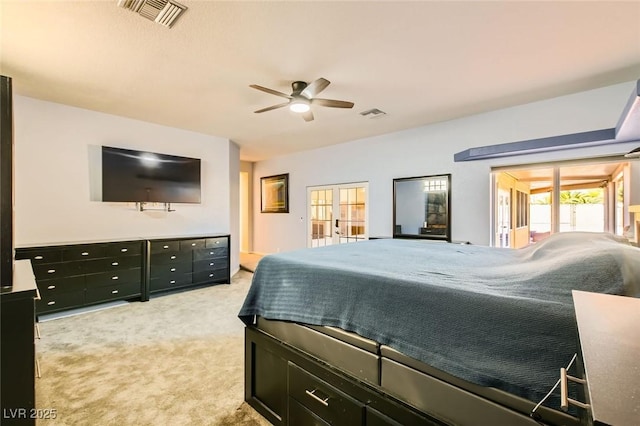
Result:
x=139 y=176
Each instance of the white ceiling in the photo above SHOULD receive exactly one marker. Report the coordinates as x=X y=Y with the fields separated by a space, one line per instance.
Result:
x=420 y=62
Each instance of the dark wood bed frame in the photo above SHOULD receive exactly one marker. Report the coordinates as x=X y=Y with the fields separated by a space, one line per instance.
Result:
x=308 y=375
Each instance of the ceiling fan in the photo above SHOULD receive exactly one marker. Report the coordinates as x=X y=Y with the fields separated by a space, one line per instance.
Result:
x=302 y=97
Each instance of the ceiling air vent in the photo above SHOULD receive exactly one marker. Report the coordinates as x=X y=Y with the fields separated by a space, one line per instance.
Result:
x=164 y=12
x=373 y=113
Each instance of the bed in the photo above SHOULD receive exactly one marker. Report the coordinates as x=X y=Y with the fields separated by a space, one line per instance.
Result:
x=450 y=333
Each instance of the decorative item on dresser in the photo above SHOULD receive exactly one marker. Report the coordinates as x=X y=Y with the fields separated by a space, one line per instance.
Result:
x=184 y=262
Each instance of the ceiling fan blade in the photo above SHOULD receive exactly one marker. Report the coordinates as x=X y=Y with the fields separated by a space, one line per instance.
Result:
x=273 y=92
x=332 y=103
x=315 y=87
x=272 y=107
x=308 y=116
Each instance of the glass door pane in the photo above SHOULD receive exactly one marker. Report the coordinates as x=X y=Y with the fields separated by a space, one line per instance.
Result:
x=352 y=224
x=321 y=217
x=348 y=225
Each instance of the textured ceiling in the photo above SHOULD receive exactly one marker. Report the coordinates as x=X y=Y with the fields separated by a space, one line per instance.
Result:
x=420 y=62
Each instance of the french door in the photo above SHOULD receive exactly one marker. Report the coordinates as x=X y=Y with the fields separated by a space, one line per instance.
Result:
x=338 y=214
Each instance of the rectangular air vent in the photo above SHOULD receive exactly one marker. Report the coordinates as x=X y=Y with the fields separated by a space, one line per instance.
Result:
x=373 y=113
x=164 y=12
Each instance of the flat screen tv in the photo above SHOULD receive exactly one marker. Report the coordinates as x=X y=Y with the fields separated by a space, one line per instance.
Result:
x=139 y=176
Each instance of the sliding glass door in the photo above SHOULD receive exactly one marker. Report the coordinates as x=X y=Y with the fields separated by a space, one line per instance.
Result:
x=532 y=202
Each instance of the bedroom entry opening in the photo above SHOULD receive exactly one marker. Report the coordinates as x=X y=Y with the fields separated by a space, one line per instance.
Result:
x=338 y=214
x=532 y=202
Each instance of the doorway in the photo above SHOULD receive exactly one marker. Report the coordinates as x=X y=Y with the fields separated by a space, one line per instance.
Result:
x=338 y=214
x=534 y=201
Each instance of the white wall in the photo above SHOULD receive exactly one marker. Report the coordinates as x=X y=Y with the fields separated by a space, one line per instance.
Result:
x=57 y=169
x=429 y=150
x=234 y=205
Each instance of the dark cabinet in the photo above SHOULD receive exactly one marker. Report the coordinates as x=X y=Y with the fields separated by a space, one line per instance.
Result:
x=17 y=389
x=75 y=275
x=185 y=262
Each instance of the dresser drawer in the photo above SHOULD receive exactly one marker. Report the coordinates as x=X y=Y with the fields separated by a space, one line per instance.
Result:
x=48 y=271
x=125 y=248
x=217 y=242
x=205 y=276
x=171 y=257
x=210 y=264
x=112 y=264
x=156 y=284
x=322 y=399
x=164 y=246
x=124 y=276
x=170 y=271
x=192 y=244
x=210 y=253
x=61 y=285
x=112 y=292
x=40 y=255
x=300 y=415
x=59 y=301
x=83 y=252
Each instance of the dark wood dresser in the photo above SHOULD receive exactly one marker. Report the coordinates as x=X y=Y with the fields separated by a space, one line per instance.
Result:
x=187 y=262
x=72 y=276
x=17 y=347
x=76 y=275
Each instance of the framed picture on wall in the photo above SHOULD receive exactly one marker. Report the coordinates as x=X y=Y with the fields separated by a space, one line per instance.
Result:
x=274 y=194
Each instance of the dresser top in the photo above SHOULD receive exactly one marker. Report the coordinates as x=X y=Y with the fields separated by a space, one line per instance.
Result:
x=24 y=283
x=610 y=343
x=116 y=240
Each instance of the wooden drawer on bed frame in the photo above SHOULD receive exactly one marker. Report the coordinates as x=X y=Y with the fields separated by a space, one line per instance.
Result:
x=277 y=377
x=280 y=375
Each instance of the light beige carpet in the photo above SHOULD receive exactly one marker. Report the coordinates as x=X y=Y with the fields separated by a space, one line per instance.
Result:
x=175 y=360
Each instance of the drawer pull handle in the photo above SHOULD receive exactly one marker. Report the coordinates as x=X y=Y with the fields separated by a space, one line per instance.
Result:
x=114 y=292
x=114 y=277
x=38 y=258
x=193 y=244
x=211 y=252
x=172 y=269
x=313 y=395
x=217 y=242
x=85 y=253
x=210 y=275
x=173 y=257
x=51 y=271
x=212 y=263
x=114 y=264
x=53 y=302
x=172 y=282
x=124 y=250
x=165 y=247
x=51 y=287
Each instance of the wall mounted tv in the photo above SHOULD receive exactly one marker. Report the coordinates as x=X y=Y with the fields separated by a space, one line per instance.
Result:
x=139 y=176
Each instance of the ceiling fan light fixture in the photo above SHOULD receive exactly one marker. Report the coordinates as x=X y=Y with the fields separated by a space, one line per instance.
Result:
x=299 y=105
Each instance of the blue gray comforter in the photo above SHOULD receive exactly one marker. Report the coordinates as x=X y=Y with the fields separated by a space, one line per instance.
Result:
x=495 y=317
